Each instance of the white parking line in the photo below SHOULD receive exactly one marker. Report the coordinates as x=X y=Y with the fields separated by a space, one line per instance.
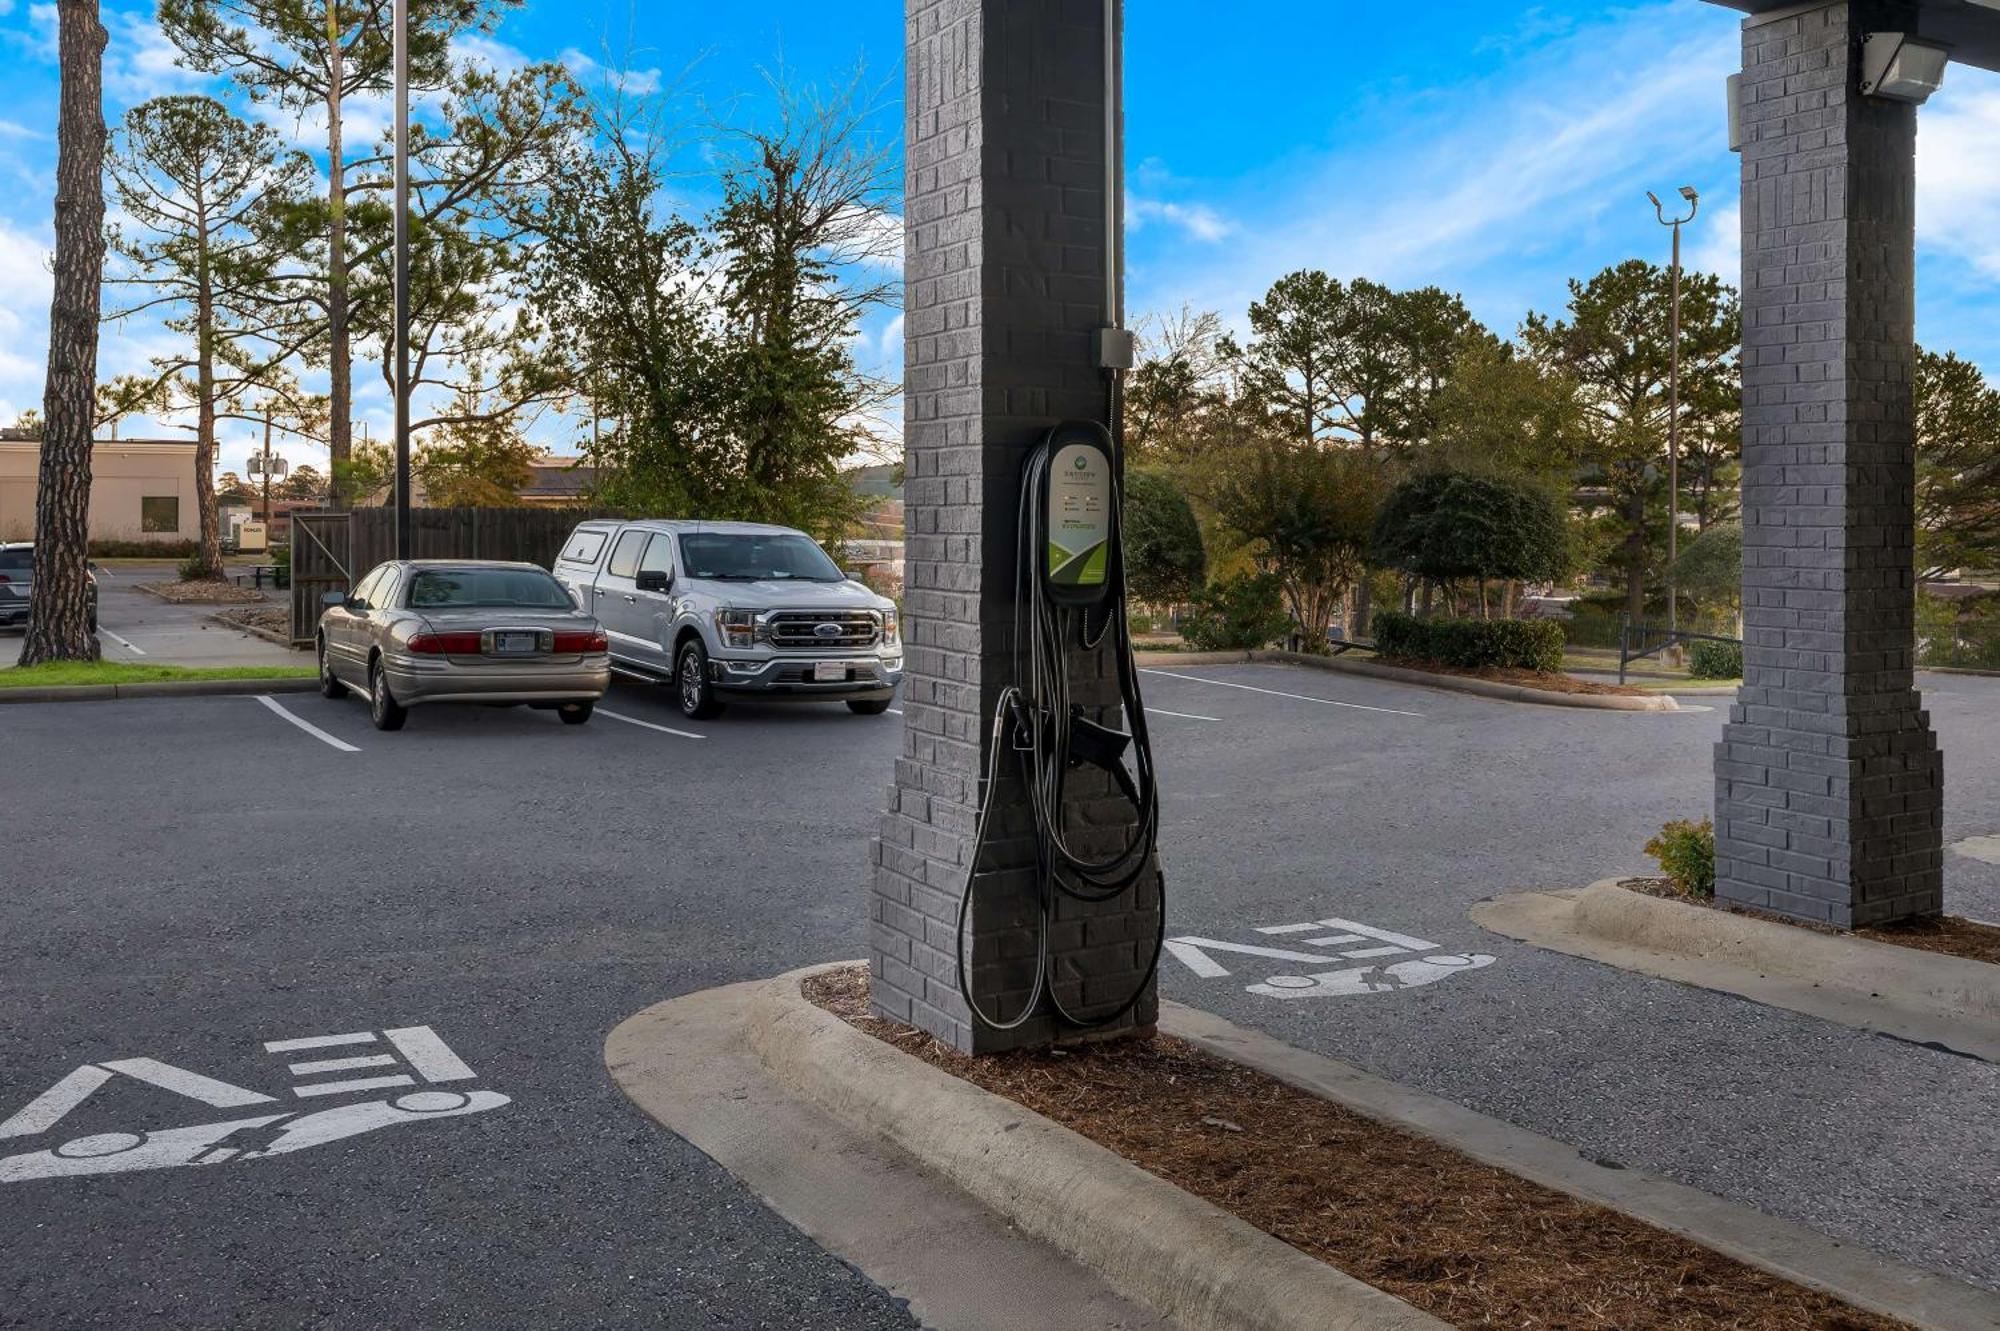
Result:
x=306 y=725
x=1301 y=697
x=1185 y=716
x=136 y=651
x=648 y=725
x=895 y=711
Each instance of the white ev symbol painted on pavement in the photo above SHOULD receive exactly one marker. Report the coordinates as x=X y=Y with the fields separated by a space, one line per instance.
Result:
x=258 y=1137
x=1339 y=937
x=1371 y=979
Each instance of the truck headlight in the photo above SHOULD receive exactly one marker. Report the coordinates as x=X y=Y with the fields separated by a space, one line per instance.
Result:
x=738 y=628
x=889 y=629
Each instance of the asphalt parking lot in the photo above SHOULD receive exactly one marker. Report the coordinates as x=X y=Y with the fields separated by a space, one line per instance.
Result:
x=189 y=881
x=142 y=629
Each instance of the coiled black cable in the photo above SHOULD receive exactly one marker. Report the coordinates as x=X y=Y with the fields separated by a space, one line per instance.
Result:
x=1034 y=717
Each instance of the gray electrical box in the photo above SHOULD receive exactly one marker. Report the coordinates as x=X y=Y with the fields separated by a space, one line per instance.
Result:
x=1117 y=349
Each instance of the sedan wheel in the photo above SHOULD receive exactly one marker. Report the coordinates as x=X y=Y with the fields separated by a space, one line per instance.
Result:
x=329 y=683
x=383 y=709
x=575 y=713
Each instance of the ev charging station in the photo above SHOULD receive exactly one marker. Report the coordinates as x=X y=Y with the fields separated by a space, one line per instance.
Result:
x=1069 y=603
x=1016 y=897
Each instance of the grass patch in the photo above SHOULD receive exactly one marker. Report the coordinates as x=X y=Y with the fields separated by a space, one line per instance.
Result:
x=61 y=674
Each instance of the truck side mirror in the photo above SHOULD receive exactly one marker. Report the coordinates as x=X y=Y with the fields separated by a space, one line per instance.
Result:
x=654 y=580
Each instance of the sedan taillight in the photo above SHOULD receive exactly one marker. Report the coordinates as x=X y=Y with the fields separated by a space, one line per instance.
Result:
x=445 y=644
x=582 y=643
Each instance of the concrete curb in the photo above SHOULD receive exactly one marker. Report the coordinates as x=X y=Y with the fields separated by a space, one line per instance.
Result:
x=1152 y=1242
x=164 y=688
x=1781 y=1247
x=280 y=639
x=1485 y=688
x=688 y=1064
x=1926 y=997
x=1958 y=670
x=1193 y=658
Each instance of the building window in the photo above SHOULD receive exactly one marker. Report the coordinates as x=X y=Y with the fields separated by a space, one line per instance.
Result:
x=160 y=513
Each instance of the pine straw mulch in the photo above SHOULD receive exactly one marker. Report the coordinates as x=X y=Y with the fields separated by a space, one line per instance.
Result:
x=1948 y=934
x=272 y=619
x=202 y=591
x=1528 y=679
x=1466 y=1242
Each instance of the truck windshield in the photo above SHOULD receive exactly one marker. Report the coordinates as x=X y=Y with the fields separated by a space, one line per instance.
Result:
x=465 y=588
x=755 y=557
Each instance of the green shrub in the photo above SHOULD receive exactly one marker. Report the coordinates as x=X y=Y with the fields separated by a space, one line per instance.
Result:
x=109 y=549
x=1471 y=644
x=1962 y=635
x=1236 y=614
x=1686 y=852
x=195 y=569
x=1715 y=660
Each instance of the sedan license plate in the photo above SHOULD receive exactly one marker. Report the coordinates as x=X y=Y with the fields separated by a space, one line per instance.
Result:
x=829 y=671
x=516 y=644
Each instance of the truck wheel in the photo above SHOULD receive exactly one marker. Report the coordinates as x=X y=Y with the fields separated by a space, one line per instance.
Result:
x=697 y=695
x=868 y=706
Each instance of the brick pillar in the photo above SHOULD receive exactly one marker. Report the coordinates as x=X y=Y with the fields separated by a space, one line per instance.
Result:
x=1829 y=783
x=1005 y=278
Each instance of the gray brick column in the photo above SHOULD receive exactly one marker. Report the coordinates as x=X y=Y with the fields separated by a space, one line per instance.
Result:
x=1829 y=783
x=1005 y=278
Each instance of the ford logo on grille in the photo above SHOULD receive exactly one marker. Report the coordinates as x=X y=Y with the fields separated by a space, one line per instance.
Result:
x=827 y=630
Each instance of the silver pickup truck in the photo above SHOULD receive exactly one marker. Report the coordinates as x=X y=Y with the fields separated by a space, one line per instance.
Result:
x=733 y=607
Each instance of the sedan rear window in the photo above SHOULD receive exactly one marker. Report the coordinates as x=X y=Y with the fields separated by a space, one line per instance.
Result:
x=465 y=588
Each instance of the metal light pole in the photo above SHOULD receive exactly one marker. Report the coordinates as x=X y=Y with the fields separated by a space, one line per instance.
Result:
x=401 y=377
x=1673 y=406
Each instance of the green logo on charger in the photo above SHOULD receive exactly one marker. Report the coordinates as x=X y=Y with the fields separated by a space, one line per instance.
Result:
x=1081 y=462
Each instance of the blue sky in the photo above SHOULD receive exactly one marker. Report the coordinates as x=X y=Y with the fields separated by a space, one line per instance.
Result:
x=1494 y=149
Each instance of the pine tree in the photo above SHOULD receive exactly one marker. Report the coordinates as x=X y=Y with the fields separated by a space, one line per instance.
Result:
x=205 y=191
x=59 y=621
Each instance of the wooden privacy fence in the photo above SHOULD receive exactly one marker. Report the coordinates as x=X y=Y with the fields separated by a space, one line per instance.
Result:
x=331 y=551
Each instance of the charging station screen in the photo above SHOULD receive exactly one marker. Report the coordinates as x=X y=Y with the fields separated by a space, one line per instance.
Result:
x=1079 y=518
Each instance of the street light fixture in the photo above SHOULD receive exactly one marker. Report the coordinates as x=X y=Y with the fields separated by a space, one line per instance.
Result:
x=1674 y=404
x=400 y=377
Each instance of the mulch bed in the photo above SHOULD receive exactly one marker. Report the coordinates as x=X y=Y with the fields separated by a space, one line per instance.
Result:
x=1470 y=1244
x=1531 y=679
x=1948 y=934
x=272 y=619
x=205 y=591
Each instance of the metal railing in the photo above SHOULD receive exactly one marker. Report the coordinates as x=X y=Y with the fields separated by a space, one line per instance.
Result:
x=1637 y=642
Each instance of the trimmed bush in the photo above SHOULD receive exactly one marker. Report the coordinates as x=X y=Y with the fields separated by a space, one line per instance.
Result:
x=1471 y=644
x=1715 y=660
x=115 y=549
x=1236 y=614
x=1686 y=852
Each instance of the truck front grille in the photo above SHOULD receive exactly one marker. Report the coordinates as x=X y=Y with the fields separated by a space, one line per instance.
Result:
x=800 y=630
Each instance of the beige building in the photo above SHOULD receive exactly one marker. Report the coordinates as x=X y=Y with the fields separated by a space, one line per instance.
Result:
x=140 y=490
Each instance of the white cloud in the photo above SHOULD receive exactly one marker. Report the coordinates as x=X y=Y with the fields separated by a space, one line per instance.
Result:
x=640 y=82
x=1958 y=170
x=1197 y=220
x=25 y=287
x=1715 y=241
x=1478 y=182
